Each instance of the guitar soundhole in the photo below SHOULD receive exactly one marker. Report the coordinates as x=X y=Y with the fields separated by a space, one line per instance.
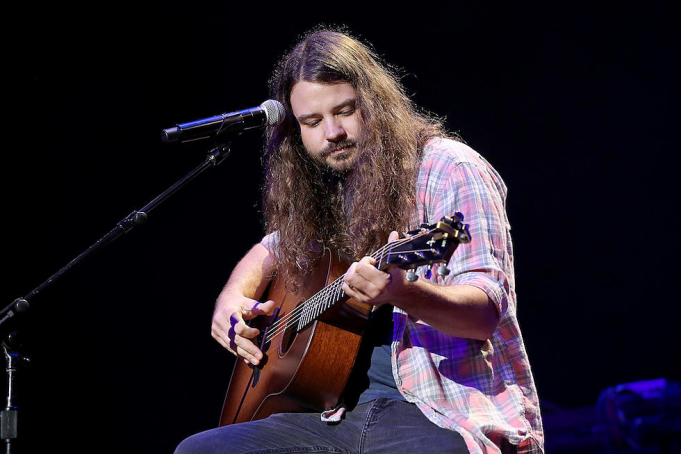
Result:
x=287 y=338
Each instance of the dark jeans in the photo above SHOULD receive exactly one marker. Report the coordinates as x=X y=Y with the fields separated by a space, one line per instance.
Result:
x=380 y=426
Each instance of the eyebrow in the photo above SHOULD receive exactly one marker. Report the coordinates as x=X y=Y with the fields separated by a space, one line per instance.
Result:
x=347 y=102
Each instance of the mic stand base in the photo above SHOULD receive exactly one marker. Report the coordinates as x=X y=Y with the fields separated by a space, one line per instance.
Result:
x=9 y=415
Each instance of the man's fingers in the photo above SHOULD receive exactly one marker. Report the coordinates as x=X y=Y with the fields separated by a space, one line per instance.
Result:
x=364 y=282
x=239 y=341
x=240 y=328
x=231 y=330
x=258 y=308
x=247 y=350
x=367 y=270
x=266 y=308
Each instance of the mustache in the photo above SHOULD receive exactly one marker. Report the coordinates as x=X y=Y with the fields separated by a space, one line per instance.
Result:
x=337 y=146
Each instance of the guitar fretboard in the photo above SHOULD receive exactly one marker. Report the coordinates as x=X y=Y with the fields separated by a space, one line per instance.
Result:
x=311 y=309
x=333 y=293
x=321 y=302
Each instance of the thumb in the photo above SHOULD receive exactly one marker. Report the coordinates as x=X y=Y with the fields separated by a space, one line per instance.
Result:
x=394 y=236
x=266 y=308
x=256 y=308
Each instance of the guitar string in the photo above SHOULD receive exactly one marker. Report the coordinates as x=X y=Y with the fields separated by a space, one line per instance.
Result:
x=321 y=298
x=296 y=313
x=318 y=299
x=314 y=302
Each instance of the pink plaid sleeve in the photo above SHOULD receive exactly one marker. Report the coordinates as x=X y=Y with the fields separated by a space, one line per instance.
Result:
x=466 y=183
x=482 y=389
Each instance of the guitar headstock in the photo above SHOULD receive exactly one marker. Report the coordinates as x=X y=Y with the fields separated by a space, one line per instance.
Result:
x=434 y=243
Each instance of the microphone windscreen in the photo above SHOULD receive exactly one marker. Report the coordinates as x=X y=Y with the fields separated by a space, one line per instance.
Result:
x=274 y=111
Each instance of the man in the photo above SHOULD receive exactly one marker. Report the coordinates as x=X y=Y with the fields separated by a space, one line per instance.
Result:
x=353 y=163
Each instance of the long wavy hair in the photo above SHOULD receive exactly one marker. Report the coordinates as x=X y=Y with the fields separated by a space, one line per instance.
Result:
x=312 y=207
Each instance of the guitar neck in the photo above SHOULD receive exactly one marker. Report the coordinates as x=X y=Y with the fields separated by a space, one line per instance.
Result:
x=321 y=302
x=427 y=245
x=333 y=293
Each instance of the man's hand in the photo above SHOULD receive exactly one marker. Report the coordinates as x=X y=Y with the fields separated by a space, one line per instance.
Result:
x=229 y=326
x=454 y=310
x=367 y=284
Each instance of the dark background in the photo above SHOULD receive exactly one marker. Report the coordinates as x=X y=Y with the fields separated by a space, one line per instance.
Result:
x=576 y=105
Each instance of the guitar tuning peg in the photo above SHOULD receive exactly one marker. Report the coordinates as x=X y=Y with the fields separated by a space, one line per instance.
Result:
x=442 y=271
x=411 y=276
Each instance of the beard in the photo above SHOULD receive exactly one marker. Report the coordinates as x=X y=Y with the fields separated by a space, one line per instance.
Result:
x=333 y=147
x=342 y=162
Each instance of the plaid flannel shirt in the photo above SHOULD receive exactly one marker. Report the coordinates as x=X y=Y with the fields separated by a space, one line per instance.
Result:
x=482 y=389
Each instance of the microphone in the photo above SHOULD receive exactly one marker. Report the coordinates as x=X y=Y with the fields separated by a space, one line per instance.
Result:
x=270 y=112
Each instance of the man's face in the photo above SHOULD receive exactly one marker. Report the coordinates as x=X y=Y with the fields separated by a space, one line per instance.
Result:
x=329 y=122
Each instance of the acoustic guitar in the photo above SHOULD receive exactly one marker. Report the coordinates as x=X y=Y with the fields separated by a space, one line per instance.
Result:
x=311 y=341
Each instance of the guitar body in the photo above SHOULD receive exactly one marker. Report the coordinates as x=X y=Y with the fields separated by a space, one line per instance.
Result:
x=301 y=371
x=311 y=342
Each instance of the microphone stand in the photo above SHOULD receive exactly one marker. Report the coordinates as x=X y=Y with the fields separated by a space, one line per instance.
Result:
x=10 y=339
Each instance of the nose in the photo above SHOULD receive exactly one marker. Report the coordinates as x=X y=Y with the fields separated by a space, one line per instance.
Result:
x=335 y=131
